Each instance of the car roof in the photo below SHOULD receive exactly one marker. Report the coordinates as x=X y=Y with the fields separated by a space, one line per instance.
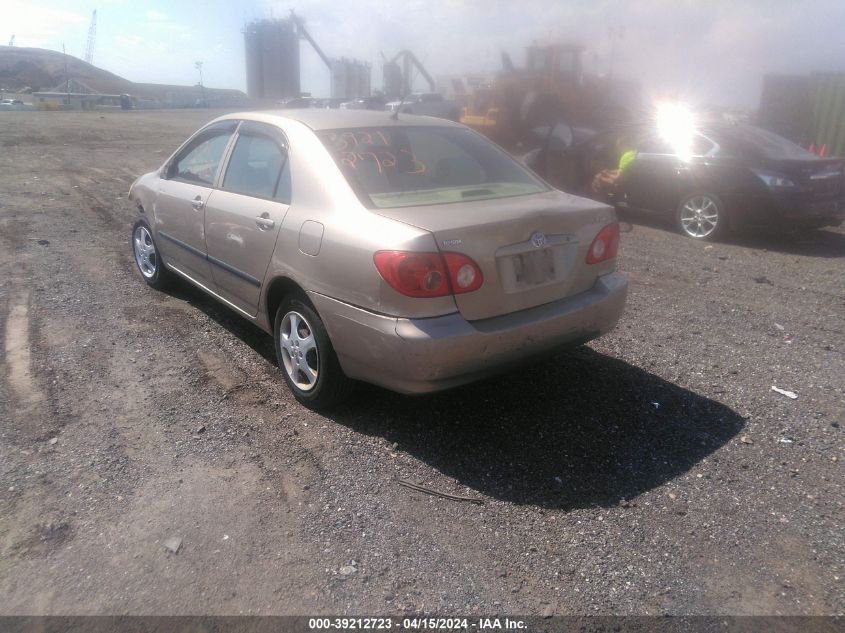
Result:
x=331 y=119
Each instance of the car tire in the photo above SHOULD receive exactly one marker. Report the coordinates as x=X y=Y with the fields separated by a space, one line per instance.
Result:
x=702 y=216
x=147 y=258
x=306 y=357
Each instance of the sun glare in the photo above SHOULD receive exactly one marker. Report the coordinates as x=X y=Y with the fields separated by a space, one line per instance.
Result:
x=676 y=126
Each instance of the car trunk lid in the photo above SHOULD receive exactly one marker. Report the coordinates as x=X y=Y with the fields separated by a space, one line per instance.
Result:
x=530 y=249
x=821 y=177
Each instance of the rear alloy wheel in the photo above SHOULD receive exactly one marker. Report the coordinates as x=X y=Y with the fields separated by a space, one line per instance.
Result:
x=306 y=356
x=702 y=216
x=146 y=256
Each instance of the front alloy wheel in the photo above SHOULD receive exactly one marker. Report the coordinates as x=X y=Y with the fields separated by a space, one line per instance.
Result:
x=147 y=258
x=145 y=251
x=701 y=216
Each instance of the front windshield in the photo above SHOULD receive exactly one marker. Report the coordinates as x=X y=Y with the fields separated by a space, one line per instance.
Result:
x=408 y=166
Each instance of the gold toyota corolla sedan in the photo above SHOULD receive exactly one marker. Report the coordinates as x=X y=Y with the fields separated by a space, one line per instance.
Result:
x=407 y=252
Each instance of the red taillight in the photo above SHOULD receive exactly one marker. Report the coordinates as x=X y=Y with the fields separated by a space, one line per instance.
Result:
x=605 y=244
x=428 y=274
x=464 y=274
x=413 y=274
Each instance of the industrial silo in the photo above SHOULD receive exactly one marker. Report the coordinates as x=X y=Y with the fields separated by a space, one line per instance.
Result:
x=254 y=76
x=272 y=59
x=350 y=78
x=365 y=74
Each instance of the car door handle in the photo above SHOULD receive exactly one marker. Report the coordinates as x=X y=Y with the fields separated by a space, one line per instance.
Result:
x=264 y=223
x=197 y=203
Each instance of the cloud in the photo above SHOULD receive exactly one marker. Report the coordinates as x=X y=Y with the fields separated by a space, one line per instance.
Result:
x=131 y=43
x=35 y=25
x=158 y=21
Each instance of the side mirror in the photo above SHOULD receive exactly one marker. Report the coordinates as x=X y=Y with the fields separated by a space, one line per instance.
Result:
x=561 y=137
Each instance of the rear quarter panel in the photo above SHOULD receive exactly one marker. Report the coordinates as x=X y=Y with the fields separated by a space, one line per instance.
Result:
x=343 y=266
x=744 y=195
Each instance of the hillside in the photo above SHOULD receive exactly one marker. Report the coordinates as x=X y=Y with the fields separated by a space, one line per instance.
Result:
x=41 y=69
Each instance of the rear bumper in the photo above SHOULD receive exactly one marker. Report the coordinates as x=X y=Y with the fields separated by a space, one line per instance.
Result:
x=833 y=208
x=789 y=210
x=425 y=355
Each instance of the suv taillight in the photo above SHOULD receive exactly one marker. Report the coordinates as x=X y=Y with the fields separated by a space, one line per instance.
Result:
x=605 y=244
x=428 y=274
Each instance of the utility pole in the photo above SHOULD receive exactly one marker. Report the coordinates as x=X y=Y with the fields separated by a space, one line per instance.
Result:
x=67 y=77
x=198 y=66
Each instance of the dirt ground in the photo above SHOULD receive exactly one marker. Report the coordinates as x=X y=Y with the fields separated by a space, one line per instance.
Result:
x=653 y=471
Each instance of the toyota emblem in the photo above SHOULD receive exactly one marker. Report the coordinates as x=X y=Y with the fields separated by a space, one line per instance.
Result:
x=539 y=240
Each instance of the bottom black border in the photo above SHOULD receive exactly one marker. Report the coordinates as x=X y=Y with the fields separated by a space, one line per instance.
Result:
x=439 y=624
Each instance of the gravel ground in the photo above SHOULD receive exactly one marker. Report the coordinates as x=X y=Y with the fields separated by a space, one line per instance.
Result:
x=653 y=471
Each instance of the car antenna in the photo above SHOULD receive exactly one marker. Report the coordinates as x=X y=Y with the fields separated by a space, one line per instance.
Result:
x=395 y=115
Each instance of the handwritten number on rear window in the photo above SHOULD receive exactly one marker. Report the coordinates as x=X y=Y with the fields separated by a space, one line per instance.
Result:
x=383 y=160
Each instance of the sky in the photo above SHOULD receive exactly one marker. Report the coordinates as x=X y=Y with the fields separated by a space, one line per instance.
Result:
x=705 y=52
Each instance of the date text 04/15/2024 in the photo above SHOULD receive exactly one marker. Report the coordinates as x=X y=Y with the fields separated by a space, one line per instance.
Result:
x=480 y=624
x=418 y=624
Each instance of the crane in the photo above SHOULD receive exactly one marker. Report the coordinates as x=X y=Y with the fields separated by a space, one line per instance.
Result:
x=92 y=35
x=12 y=41
x=399 y=80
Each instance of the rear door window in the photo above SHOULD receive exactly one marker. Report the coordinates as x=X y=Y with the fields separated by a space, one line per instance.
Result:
x=258 y=167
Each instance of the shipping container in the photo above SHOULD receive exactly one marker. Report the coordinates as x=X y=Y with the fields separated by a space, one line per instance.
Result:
x=806 y=109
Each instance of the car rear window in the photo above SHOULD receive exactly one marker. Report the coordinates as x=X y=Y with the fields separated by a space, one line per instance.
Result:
x=755 y=140
x=421 y=165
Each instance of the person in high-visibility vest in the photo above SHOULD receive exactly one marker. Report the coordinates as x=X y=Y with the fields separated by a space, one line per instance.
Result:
x=626 y=159
x=607 y=183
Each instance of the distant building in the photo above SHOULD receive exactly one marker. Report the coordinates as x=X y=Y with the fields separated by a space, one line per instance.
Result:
x=72 y=95
x=76 y=95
